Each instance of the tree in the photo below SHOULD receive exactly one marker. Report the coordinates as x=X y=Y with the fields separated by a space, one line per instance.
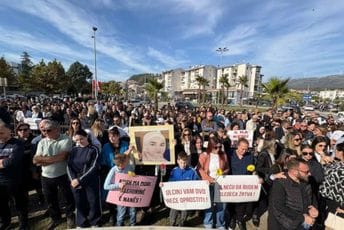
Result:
x=153 y=88
x=202 y=82
x=7 y=72
x=24 y=77
x=111 y=88
x=276 y=89
x=78 y=78
x=224 y=81
x=243 y=80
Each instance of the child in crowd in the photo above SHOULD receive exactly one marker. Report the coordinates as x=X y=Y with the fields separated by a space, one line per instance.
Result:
x=121 y=166
x=181 y=173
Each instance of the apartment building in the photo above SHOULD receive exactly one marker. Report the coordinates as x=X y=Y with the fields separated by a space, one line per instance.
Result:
x=182 y=83
x=331 y=94
x=234 y=72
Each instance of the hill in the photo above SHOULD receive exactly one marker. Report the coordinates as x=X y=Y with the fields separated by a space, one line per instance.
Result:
x=142 y=78
x=317 y=83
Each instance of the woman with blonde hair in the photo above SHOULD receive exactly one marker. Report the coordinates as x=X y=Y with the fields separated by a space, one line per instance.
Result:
x=99 y=131
x=293 y=143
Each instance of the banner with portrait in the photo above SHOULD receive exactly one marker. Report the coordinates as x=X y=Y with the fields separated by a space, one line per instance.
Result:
x=235 y=135
x=154 y=144
x=237 y=188
x=186 y=195
x=137 y=192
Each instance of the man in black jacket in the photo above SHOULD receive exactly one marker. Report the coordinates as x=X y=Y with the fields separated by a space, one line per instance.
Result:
x=291 y=201
x=11 y=183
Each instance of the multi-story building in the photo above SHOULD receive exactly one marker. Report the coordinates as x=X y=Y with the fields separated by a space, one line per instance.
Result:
x=331 y=94
x=172 y=81
x=237 y=90
x=183 y=83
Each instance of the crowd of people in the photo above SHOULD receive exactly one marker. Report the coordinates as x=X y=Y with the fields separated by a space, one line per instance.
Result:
x=80 y=146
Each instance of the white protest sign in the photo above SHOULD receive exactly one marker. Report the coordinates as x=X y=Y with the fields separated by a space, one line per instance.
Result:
x=186 y=195
x=237 y=188
x=235 y=135
x=33 y=122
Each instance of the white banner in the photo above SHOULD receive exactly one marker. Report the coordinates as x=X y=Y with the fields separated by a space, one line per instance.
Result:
x=235 y=135
x=237 y=188
x=186 y=195
x=33 y=122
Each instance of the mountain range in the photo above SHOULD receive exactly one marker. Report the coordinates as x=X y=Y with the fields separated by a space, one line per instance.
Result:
x=317 y=83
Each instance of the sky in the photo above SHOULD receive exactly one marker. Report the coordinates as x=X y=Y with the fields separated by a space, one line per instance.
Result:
x=289 y=38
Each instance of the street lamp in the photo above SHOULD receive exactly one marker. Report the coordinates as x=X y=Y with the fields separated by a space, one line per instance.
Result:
x=222 y=50
x=95 y=64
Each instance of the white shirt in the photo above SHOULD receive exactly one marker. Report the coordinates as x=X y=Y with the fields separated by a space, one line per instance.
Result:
x=214 y=165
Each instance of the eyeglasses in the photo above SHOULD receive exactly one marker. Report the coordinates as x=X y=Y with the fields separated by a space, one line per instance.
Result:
x=23 y=130
x=297 y=139
x=307 y=153
x=75 y=123
x=46 y=130
x=187 y=134
x=321 y=145
x=218 y=147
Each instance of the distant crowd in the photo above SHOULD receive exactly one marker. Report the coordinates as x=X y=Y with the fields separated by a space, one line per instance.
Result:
x=78 y=147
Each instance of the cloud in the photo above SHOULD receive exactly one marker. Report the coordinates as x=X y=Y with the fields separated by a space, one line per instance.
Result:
x=168 y=61
x=76 y=23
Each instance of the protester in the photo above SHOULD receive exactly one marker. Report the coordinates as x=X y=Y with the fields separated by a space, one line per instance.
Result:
x=291 y=203
x=121 y=166
x=83 y=172
x=181 y=173
x=52 y=153
x=212 y=164
x=11 y=179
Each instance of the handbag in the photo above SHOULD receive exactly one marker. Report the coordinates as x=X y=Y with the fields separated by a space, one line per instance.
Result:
x=334 y=222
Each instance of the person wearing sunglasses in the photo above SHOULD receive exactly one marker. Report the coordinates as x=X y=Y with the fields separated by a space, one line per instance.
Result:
x=213 y=160
x=315 y=168
x=76 y=125
x=319 y=144
x=52 y=153
x=293 y=143
x=291 y=203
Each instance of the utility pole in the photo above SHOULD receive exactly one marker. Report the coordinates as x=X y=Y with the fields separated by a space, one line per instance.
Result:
x=95 y=64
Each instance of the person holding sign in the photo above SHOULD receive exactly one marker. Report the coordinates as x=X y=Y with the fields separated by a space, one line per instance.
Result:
x=212 y=164
x=240 y=159
x=121 y=166
x=181 y=173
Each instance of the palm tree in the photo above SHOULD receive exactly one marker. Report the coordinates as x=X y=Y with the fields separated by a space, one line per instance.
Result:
x=204 y=83
x=243 y=80
x=199 y=80
x=276 y=89
x=153 y=88
x=227 y=86
x=224 y=83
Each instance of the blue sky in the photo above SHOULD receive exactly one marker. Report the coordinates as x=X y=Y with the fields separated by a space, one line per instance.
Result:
x=287 y=38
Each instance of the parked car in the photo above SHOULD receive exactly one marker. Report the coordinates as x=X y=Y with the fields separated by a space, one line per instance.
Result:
x=184 y=104
x=308 y=108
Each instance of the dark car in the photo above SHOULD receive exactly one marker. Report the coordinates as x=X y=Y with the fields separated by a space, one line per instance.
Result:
x=184 y=105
